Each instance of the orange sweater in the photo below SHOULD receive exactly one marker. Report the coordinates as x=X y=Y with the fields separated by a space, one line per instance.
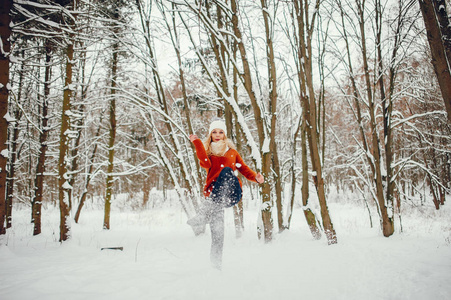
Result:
x=214 y=165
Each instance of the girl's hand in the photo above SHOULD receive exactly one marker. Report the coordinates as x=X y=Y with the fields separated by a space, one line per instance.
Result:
x=193 y=137
x=259 y=178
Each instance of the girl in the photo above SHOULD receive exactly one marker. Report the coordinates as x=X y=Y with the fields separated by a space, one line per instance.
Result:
x=222 y=188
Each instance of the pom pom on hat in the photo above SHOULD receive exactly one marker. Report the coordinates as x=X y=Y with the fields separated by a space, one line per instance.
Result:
x=217 y=124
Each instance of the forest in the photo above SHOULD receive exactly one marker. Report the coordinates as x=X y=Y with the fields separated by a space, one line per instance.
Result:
x=98 y=99
x=344 y=106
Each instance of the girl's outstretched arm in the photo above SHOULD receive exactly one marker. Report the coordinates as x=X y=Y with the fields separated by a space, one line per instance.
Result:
x=248 y=172
x=200 y=152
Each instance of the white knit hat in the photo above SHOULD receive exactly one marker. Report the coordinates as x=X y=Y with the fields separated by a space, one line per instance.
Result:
x=217 y=124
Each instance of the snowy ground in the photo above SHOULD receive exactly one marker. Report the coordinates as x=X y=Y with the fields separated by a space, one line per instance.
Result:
x=162 y=259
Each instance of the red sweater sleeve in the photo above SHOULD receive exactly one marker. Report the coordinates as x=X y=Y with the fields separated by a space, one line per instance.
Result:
x=202 y=154
x=244 y=169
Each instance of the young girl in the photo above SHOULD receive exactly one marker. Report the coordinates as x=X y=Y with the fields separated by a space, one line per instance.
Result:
x=222 y=188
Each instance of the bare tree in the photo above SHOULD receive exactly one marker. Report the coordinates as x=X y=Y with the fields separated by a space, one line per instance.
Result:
x=115 y=17
x=162 y=108
x=272 y=104
x=305 y=28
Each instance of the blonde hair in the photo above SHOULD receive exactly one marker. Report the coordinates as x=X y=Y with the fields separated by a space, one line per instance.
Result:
x=208 y=141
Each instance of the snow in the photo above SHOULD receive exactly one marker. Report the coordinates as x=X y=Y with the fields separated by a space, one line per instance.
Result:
x=71 y=133
x=266 y=143
x=13 y=59
x=67 y=186
x=71 y=114
x=71 y=87
x=4 y=153
x=162 y=259
x=8 y=117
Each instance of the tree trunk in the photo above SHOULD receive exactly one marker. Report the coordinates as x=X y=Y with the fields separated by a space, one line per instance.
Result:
x=13 y=153
x=358 y=114
x=317 y=176
x=40 y=168
x=112 y=138
x=88 y=176
x=79 y=126
x=266 y=207
x=387 y=103
x=310 y=111
x=5 y=33
x=74 y=153
x=63 y=175
x=293 y=177
x=238 y=219
x=272 y=82
x=387 y=221
x=146 y=190
x=12 y=162
x=439 y=45
x=441 y=9
x=238 y=209
x=278 y=188
x=308 y=213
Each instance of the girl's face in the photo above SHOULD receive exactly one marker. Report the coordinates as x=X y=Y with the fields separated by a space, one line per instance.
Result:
x=217 y=135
